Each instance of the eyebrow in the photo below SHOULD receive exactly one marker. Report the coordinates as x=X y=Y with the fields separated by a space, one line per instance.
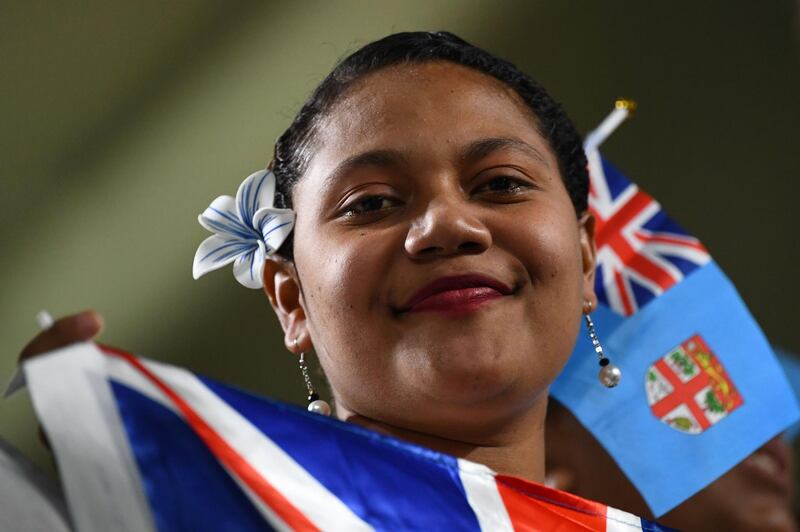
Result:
x=481 y=148
x=473 y=152
x=379 y=158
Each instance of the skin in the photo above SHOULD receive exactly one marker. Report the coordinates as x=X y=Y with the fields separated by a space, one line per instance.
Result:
x=743 y=499
x=435 y=198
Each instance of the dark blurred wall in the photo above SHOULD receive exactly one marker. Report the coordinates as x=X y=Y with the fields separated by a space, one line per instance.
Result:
x=121 y=121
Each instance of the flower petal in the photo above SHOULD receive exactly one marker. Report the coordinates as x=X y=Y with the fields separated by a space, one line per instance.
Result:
x=274 y=225
x=249 y=268
x=255 y=192
x=221 y=217
x=218 y=250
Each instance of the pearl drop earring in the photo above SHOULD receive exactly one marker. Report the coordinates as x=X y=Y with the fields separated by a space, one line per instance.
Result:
x=609 y=375
x=315 y=404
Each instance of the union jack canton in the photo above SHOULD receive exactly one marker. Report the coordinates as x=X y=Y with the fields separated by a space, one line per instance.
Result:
x=641 y=253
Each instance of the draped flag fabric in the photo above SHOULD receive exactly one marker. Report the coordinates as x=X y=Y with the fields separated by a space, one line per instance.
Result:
x=701 y=388
x=146 y=446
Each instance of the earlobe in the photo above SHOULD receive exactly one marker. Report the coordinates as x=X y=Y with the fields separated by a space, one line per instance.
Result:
x=588 y=256
x=283 y=291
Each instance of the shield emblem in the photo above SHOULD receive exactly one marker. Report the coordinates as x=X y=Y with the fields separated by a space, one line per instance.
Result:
x=688 y=388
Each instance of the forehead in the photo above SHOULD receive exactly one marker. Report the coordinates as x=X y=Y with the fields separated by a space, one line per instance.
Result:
x=426 y=108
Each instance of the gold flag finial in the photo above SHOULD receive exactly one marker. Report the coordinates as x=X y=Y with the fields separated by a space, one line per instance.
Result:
x=623 y=109
x=625 y=103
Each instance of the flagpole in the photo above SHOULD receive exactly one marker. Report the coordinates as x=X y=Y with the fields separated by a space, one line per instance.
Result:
x=623 y=108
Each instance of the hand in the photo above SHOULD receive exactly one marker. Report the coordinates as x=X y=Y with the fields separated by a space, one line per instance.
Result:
x=68 y=330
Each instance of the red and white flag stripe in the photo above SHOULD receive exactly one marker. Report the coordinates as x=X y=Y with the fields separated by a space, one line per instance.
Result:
x=104 y=491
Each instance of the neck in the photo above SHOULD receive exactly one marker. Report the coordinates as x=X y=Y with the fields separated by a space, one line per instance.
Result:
x=517 y=449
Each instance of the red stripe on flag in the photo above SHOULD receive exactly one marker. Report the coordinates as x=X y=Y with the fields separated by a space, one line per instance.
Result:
x=622 y=289
x=534 y=507
x=650 y=270
x=674 y=239
x=606 y=229
x=634 y=260
x=224 y=452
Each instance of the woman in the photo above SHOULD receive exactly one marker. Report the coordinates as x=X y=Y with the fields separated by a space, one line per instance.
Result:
x=442 y=254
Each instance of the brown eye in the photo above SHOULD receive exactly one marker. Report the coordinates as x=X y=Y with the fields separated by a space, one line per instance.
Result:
x=503 y=185
x=368 y=205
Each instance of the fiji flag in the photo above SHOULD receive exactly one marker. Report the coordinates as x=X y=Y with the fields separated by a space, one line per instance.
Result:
x=146 y=446
x=701 y=388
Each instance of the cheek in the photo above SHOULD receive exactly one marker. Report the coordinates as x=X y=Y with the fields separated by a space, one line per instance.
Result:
x=546 y=241
x=341 y=277
x=347 y=315
x=546 y=244
x=343 y=272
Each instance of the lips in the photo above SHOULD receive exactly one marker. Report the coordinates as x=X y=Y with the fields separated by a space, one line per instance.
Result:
x=456 y=294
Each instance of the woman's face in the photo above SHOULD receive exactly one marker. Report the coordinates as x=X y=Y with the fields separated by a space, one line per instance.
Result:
x=442 y=267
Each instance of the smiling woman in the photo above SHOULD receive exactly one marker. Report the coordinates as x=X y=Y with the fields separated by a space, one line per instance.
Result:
x=441 y=254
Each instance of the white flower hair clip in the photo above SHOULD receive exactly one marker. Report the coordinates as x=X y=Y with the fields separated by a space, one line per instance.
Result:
x=246 y=230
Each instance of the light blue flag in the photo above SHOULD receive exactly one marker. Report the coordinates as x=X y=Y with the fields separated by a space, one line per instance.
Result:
x=701 y=388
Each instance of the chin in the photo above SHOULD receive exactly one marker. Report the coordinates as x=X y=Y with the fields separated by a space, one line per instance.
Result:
x=472 y=375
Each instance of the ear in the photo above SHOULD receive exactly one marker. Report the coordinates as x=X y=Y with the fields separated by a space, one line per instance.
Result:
x=588 y=256
x=282 y=288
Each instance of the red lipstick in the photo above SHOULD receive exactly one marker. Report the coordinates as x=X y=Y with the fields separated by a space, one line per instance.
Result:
x=458 y=294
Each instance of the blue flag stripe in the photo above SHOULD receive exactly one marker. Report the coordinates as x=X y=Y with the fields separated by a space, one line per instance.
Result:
x=187 y=488
x=414 y=488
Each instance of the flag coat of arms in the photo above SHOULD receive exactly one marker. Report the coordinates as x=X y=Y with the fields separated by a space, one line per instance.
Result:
x=701 y=388
x=688 y=388
x=146 y=446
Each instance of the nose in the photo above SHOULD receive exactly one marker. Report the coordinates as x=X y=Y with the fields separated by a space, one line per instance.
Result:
x=448 y=227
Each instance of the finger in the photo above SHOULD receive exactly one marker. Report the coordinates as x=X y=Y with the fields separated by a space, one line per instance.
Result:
x=68 y=330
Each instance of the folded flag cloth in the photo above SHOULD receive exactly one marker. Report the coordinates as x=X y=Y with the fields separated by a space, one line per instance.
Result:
x=147 y=446
x=701 y=388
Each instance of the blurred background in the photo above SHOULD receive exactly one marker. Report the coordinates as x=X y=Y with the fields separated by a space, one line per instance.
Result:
x=120 y=121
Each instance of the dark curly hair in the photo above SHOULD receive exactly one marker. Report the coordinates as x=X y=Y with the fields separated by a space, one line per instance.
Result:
x=294 y=147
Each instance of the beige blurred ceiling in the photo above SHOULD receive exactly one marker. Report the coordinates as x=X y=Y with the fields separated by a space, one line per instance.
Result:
x=71 y=71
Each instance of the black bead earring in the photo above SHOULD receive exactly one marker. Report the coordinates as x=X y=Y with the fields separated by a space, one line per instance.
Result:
x=315 y=404
x=609 y=375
